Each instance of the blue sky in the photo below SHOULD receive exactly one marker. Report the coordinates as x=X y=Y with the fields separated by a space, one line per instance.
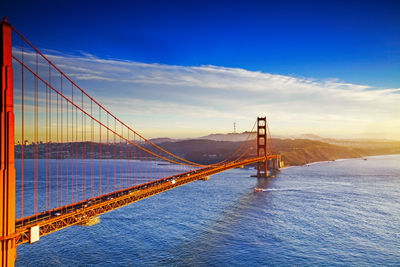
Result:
x=280 y=55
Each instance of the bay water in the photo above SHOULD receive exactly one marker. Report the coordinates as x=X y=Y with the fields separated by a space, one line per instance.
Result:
x=341 y=213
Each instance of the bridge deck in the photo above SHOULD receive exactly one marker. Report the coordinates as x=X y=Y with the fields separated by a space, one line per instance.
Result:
x=81 y=212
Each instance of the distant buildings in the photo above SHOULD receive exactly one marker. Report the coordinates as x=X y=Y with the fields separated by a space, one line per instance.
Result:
x=26 y=143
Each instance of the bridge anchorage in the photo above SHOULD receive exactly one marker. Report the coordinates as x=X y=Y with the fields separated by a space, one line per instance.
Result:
x=66 y=160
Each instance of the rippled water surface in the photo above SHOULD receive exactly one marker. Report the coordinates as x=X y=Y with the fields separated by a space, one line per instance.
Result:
x=331 y=214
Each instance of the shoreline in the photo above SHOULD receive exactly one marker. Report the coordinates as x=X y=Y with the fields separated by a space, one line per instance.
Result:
x=340 y=159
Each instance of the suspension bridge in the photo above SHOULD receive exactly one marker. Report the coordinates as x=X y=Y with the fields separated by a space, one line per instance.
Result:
x=66 y=159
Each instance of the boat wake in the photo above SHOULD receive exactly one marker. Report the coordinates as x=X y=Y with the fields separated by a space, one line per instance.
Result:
x=277 y=189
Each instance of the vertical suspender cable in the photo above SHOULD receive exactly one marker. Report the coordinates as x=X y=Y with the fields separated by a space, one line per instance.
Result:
x=67 y=104
x=47 y=144
x=129 y=174
x=57 y=151
x=22 y=132
x=72 y=145
x=91 y=149
x=85 y=186
x=62 y=146
x=140 y=165
x=115 y=155
x=36 y=140
x=50 y=125
x=76 y=154
x=135 y=161
x=151 y=164
x=108 y=156
x=100 y=150
x=82 y=152
x=120 y=160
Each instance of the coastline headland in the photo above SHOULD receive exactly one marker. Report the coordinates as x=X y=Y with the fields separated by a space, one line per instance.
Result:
x=294 y=152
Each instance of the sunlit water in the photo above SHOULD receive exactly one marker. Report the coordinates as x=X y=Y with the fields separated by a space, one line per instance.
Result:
x=327 y=214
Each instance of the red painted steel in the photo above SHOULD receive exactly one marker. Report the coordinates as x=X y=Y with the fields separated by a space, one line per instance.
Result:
x=262 y=167
x=84 y=210
x=7 y=172
x=97 y=160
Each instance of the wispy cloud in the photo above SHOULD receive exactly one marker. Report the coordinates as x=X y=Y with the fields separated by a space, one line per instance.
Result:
x=210 y=98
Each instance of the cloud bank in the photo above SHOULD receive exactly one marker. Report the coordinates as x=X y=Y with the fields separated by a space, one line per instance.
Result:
x=182 y=101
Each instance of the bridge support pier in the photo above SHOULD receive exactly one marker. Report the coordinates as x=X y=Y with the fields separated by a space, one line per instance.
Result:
x=7 y=172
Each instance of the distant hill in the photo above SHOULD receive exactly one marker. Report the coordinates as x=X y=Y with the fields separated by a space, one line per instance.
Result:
x=309 y=136
x=293 y=151
x=162 y=140
x=302 y=151
x=231 y=137
x=206 y=151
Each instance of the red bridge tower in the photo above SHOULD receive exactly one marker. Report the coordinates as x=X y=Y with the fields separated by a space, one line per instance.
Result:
x=7 y=172
x=262 y=167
